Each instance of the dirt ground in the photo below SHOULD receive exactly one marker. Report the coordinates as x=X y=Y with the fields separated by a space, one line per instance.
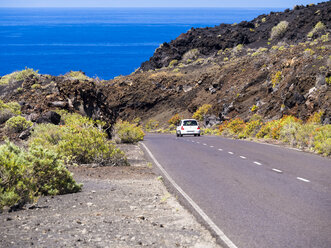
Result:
x=118 y=207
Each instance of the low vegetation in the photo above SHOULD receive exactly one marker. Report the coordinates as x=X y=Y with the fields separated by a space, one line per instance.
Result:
x=201 y=112
x=79 y=75
x=279 y=30
x=17 y=124
x=27 y=174
x=174 y=120
x=80 y=140
x=18 y=76
x=311 y=135
x=129 y=133
x=8 y=110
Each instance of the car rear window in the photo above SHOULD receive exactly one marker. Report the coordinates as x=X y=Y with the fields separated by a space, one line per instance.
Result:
x=190 y=123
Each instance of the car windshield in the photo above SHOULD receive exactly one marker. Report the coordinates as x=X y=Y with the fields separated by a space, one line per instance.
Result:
x=190 y=123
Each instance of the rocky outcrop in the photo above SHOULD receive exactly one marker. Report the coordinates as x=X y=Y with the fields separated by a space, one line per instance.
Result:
x=254 y=34
x=290 y=75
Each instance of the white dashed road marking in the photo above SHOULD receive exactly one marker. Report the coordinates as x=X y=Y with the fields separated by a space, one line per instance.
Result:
x=276 y=170
x=303 y=179
x=255 y=162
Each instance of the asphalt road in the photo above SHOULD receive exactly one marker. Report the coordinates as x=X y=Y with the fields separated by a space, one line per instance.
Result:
x=259 y=195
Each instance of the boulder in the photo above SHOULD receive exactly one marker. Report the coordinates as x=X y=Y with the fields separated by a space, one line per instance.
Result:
x=49 y=117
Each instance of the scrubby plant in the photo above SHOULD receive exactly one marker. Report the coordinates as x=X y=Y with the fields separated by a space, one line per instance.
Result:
x=79 y=75
x=173 y=63
x=263 y=20
x=191 y=54
x=232 y=128
x=328 y=80
x=151 y=125
x=319 y=27
x=325 y=38
x=308 y=52
x=80 y=140
x=8 y=110
x=36 y=86
x=16 y=184
x=174 y=120
x=18 y=76
x=316 y=118
x=24 y=175
x=279 y=30
x=201 y=112
x=129 y=133
x=17 y=124
x=276 y=78
x=254 y=108
x=251 y=128
x=322 y=140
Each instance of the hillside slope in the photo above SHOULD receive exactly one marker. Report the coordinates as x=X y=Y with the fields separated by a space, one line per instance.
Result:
x=252 y=67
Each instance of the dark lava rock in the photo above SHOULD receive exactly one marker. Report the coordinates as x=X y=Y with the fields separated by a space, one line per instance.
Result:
x=50 y=117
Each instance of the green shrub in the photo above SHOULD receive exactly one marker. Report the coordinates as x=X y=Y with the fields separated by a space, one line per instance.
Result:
x=129 y=133
x=254 y=108
x=173 y=63
x=79 y=75
x=24 y=175
x=276 y=78
x=17 y=124
x=36 y=86
x=16 y=184
x=322 y=140
x=251 y=128
x=279 y=30
x=8 y=110
x=233 y=127
x=80 y=140
x=50 y=175
x=201 y=112
x=18 y=76
x=191 y=54
x=319 y=27
x=151 y=125
x=328 y=80
x=174 y=120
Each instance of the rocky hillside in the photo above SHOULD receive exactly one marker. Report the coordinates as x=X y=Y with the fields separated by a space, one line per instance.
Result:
x=253 y=34
x=275 y=65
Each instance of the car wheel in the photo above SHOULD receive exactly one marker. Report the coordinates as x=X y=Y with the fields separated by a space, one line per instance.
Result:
x=198 y=134
x=181 y=135
x=195 y=135
x=177 y=134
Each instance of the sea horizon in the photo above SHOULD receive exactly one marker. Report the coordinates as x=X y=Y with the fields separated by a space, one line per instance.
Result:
x=102 y=42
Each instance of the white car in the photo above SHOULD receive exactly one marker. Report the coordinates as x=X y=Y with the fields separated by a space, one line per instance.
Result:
x=188 y=127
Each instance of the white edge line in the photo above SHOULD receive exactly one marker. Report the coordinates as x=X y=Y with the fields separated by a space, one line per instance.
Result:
x=243 y=157
x=276 y=170
x=203 y=215
x=211 y=146
x=303 y=179
x=220 y=149
x=230 y=152
x=257 y=163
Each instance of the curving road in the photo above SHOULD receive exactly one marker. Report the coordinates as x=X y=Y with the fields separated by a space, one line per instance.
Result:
x=259 y=195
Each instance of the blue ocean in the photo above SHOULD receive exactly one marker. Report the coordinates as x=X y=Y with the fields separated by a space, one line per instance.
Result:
x=101 y=42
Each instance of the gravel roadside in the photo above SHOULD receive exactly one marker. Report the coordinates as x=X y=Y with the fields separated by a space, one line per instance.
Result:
x=118 y=207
